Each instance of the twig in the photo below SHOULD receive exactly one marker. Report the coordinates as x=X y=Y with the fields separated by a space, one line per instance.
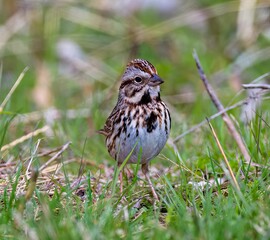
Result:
x=7 y=165
x=65 y=146
x=220 y=108
x=24 y=138
x=194 y=128
x=233 y=179
x=260 y=86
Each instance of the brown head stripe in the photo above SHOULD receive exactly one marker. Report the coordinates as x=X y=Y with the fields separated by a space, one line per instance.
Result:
x=143 y=65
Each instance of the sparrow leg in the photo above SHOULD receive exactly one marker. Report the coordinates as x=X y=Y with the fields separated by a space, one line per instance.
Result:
x=145 y=171
x=130 y=175
x=121 y=179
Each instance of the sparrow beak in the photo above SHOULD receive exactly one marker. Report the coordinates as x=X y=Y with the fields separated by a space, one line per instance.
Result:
x=155 y=80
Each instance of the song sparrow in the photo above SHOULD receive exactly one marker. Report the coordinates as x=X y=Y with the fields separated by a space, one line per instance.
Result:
x=140 y=122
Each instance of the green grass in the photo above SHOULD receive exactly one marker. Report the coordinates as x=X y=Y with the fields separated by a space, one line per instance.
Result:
x=76 y=195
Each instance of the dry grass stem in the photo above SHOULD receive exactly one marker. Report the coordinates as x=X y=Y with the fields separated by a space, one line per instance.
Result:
x=235 y=183
x=24 y=138
x=32 y=185
x=14 y=24
x=64 y=147
x=16 y=84
x=32 y=157
x=245 y=21
x=219 y=106
x=45 y=153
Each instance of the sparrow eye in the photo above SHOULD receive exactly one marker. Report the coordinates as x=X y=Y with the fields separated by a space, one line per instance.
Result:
x=138 y=79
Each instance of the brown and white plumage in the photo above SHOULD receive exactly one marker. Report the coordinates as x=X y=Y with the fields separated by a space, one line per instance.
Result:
x=140 y=122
